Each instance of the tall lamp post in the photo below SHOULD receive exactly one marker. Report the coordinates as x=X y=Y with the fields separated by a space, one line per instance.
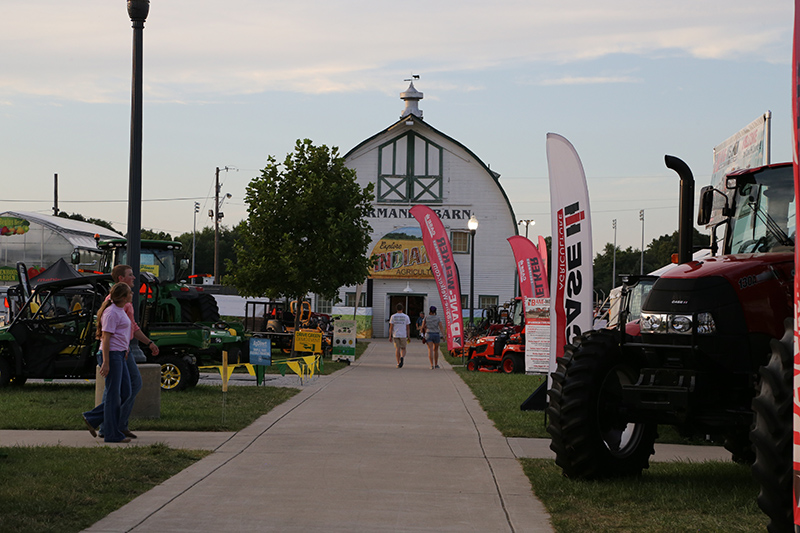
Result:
x=641 y=263
x=137 y=10
x=526 y=223
x=614 y=262
x=473 y=227
x=194 y=235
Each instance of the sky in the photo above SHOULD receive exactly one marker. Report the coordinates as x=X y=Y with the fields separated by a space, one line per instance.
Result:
x=227 y=84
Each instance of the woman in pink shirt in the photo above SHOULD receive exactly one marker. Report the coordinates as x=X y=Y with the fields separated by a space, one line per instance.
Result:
x=114 y=332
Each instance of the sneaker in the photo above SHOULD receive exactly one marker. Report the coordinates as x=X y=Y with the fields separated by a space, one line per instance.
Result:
x=401 y=363
x=437 y=366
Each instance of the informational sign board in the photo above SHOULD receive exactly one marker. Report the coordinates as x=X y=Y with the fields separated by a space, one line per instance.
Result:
x=344 y=340
x=260 y=351
x=537 y=335
x=308 y=341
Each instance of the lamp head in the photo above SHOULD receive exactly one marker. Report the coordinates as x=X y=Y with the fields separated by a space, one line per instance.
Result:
x=472 y=224
x=138 y=9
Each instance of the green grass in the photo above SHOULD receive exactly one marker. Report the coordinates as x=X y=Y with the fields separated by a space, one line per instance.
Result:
x=500 y=395
x=59 y=406
x=61 y=489
x=668 y=498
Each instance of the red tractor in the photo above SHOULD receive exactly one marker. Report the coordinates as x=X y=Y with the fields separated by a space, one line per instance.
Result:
x=504 y=352
x=707 y=359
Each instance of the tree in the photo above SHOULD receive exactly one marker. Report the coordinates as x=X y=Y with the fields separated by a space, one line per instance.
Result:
x=95 y=221
x=657 y=254
x=204 y=249
x=306 y=229
x=152 y=235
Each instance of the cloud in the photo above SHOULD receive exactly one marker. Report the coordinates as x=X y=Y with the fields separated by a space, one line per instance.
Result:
x=201 y=49
x=589 y=80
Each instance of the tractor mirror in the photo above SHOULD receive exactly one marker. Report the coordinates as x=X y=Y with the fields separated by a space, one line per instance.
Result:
x=75 y=258
x=706 y=205
x=184 y=264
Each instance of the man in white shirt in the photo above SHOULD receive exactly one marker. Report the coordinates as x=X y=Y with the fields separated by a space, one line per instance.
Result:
x=399 y=332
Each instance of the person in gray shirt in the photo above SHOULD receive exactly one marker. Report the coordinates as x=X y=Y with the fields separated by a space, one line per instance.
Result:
x=432 y=326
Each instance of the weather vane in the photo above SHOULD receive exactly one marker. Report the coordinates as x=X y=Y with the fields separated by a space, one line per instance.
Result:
x=414 y=76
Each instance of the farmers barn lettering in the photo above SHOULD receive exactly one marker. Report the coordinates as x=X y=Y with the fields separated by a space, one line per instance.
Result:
x=398 y=212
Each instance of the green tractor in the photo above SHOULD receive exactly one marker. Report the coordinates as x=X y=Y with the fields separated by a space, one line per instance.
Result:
x=181 y=319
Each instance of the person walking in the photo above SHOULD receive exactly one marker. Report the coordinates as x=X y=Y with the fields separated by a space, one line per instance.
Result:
x=433 y=331
x=399 y=332
x=114 y=331
x=124 y=274
x=420 y=329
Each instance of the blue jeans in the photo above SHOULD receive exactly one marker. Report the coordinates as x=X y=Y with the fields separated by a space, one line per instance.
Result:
x=136 y=385
x=435 y=338
x=118 y=389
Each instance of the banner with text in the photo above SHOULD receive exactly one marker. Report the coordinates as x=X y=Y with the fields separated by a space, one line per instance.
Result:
x=443 y=267
x=571 y=276
x=537 y=335
x=530 y=267
x=796 y=351
x=400 y=254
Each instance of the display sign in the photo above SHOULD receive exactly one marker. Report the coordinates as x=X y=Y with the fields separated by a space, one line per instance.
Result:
x=344 y=340
x=308 y=341
x=401 y=254
x=260 y=351
x=13 y=226
x=537 y=335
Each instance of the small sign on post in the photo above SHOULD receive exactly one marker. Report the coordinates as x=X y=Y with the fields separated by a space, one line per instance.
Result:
x=308 y=341
x=344 y=340
x=260 y=356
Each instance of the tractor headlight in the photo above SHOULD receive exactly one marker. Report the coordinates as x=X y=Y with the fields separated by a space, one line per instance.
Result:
x=680 y=324
x=705 y=324
x=652 y=323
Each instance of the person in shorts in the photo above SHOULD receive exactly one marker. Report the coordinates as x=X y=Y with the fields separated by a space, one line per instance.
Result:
x=399 y=332
x=433 y=336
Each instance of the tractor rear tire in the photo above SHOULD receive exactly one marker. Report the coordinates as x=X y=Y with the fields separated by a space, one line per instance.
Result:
x=590 y=438
x=507 y=364
x=209 y=310
x=772 y=435
x=175 y=373
x=194 y=376
x=473 y=365
x=5 y=372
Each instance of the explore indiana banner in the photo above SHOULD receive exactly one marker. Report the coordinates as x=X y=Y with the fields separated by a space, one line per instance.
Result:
x=530 y=267
x=571 y=276
x=796 y=343
x=440 y=255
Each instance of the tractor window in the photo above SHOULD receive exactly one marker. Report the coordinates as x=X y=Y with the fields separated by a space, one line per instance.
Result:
x=160 y=263
x=765 y=214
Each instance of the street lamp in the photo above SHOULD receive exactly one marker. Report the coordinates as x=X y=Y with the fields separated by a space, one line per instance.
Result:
x=614 y=263
x=641 y=263
x=473 y=227
x=526 y=223
x=194 y=235
x=137 y=10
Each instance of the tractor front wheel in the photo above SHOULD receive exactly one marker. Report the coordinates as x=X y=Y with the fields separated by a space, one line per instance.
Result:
x=772 y=435
x=589 y=435
x=175 y=373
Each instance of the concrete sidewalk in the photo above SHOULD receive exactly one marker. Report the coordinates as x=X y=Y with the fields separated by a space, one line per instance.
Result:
x=372 y=448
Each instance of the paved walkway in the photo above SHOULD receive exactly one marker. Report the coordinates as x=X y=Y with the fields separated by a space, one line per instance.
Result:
x=369 y=448
x=373 y=448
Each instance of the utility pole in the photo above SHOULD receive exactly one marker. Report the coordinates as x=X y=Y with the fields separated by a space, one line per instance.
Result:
x=55 y=195
x=216 y=228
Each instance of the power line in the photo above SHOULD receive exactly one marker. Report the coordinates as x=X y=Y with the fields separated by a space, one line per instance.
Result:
x=104 y=201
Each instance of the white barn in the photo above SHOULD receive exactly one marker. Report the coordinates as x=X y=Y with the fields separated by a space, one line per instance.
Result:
x=410 y=163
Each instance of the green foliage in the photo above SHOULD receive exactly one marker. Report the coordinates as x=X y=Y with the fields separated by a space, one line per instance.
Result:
x=657 y=254
x=152 y=235
x=306 y=229
x=204 y=249
x=95 y=221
